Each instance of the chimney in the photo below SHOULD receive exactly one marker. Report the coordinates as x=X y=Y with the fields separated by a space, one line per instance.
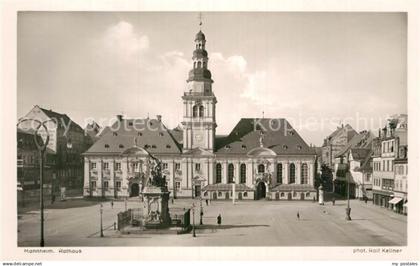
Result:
x=120 y=117
x=159 y=118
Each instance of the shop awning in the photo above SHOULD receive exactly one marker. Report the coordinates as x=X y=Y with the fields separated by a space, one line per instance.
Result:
x=395 y=200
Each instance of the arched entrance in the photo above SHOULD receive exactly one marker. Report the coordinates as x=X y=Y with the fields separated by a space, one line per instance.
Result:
x=134 y=190
x=261 y=190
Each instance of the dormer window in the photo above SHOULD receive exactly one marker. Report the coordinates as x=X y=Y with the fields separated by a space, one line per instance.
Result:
x=139 y=134
x=115 y=134
x=161 y=134
x=130 y=123
x=291 y=133
x=153 y=146
x=168 y=146
x=285 y=147
x=243 y=147
x=121 y=146
x=299 y=147
x=146 y=146
x=227 y=147
x=107 y=146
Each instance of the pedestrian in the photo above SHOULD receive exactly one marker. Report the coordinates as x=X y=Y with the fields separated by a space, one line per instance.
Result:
x=172 y=200
x=219 y=219
x=207 y=202
x=366 y=200
x=52 y=199
x=313 y=199
x=112 y=204
x=333 y=201
x=298 y=215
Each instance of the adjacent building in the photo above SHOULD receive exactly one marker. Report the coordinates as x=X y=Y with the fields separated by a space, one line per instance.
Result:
x=260 y=158
x=67 y=141
x=393 y=139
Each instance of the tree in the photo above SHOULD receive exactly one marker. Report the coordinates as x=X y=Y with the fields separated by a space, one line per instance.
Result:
x=325 y=178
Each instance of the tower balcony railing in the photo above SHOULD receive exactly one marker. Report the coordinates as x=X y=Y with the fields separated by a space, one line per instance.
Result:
x=192 y=93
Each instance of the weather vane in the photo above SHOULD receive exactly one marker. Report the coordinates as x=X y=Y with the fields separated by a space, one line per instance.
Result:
x=200 y=18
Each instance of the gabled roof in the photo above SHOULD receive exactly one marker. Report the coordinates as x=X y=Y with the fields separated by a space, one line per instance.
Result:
x=362 y=140
x=150 y=134
x=350 y=133
x=61 y=118
x=278 y=136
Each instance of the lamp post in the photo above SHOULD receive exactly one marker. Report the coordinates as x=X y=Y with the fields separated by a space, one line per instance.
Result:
x=41 y=148
x=348 y=209
x=201 y=211
x=193 y=216
x=101 y=211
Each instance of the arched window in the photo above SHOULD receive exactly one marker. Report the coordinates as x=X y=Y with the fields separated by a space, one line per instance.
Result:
x=195 y=111
x=218 y=173
x=230 y=173
x=201 y=111
x=243 y=173
x=304 y=174
x=292 y=176
x=199 y=64
x=261 y=168
x=279 y=173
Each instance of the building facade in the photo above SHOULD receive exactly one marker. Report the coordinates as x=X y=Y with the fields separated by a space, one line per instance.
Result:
x=260 y=158
x=334 y=143
x=67 y=141
x=392 y=137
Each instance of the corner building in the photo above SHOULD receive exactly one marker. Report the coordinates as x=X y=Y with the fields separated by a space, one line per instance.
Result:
x=261 y=157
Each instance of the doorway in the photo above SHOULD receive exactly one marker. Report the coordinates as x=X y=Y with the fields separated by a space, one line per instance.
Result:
x=261 y=190
x=135 y=189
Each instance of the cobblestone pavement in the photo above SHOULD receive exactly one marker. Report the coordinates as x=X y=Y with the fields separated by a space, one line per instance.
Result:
x=247 y=223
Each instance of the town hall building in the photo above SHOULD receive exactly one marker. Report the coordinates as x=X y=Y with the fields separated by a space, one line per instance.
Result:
x=260 y=158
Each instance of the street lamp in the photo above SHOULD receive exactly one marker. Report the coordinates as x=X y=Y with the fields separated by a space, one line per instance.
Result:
x=348 y=209
x=193 y=207
x=101 y=211
x=201 y=211
x=41 y=148
x=233 y=192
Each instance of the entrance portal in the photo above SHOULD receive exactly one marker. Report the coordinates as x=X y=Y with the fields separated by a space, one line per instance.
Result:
x=260 y=190
x=135 y=189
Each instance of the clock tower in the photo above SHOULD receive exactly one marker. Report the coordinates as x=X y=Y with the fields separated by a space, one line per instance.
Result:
x=199 y=112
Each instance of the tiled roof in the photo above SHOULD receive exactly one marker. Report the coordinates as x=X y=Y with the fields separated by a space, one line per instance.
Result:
x=279 y=136
x=350 y=133
x=366 y=163
x=61 y=118
x=362 y=140
x=360 y=153
x=293 y=187
x=227 y=187
x=150 y=134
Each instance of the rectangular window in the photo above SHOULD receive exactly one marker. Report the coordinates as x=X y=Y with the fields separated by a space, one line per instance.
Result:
x=93 y=185
x=106 y=166
x=106 y=185
x=177 y=166
x=118 y=185
x=197 y=167
x=178 y=186
x=164 y=166
x=117 y=166
x=93 y=165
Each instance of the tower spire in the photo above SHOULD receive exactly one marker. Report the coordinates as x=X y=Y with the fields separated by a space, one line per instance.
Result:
x=200 y=19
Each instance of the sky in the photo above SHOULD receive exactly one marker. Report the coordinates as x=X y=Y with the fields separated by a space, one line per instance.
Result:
x=317 y=70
